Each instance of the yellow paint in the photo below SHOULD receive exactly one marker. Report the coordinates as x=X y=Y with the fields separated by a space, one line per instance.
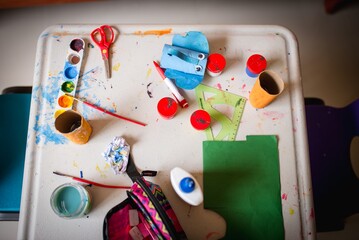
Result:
x=154 y=32
x=102 y=173
x=58 y=112
x=149 y=71
x=291 y=211
x=107 y=166
x=114 y=106
x=75 y=165
x=116 y=67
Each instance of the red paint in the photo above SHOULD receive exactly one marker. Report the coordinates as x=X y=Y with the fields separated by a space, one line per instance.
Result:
x=256 y=63
x=284 y=196
x=167 y=107
x=216 y=63
x=200 y=120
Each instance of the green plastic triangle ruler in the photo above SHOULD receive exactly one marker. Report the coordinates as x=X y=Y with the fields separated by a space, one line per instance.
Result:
x=226 y=110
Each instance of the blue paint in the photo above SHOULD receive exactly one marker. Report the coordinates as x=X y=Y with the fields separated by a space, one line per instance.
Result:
x=45 y=35
x=45 y=133
x=68 y=200
x=45 y=96
x=249 y=73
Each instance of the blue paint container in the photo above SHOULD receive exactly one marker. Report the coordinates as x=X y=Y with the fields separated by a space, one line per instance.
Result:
x=71 y=200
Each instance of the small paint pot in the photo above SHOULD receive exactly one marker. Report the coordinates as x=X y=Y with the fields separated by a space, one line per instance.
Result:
x=73 y=59
x=77 y=44
x=68 y=87
x=267 y=87
x=215 y=64
x=70 y=72
x=167 y=107
x=200 y=119
x=65 y=101
x=73 y=126
x=71 y=200
x=255 y=65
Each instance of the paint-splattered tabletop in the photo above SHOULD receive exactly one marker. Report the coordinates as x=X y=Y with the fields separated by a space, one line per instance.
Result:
x=134 y=91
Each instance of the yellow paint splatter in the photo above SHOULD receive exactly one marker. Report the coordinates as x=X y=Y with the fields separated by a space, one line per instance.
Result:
x=149 y=71
x=116 y=67
x=75 y=164
x=102 y=173
x=107 y=166
x=114 y=106
x=291 y=211
x=154 y=32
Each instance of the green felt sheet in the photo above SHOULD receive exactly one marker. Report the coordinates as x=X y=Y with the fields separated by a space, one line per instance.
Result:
x=241 y=182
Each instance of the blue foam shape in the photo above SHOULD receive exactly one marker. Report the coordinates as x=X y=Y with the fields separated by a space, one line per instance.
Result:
x=193 y=40
x=184 y=80
x=181 y=60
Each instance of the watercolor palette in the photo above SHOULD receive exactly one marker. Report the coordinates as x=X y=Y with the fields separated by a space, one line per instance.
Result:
x=71 y=75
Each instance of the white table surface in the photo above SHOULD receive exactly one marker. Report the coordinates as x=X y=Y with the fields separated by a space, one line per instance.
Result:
x=318 y=35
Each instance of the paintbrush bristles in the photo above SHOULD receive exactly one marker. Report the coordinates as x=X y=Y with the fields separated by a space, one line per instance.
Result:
x=74 y=98
x=61 y=174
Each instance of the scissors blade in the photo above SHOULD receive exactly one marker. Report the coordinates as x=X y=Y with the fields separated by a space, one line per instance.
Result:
x=107 y=67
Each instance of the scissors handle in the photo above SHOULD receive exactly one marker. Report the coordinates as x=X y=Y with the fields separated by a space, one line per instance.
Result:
x=103 y=41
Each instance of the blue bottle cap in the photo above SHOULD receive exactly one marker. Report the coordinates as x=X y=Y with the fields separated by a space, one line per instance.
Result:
x=187 y=185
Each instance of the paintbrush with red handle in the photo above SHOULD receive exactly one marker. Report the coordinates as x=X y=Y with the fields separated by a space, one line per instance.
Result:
x=90 y=182
x=108 y=112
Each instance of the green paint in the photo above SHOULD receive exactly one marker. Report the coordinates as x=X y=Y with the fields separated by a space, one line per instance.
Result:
x=68 y=87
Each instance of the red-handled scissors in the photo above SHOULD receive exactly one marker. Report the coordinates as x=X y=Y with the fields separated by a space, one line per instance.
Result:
x=103 y=37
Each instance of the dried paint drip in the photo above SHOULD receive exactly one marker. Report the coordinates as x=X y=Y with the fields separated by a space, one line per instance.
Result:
x=167 y=107
x=77 y=44
x=68 y=87
x=200 y=120
x=65 y=101
x=117 y=154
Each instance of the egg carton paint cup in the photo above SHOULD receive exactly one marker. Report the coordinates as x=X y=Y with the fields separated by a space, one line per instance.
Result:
x=71 y=200
x=73 y=126
x=268 y=86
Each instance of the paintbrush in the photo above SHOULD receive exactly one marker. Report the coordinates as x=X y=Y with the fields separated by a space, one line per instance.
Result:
x=107 y=112
x=90 y=182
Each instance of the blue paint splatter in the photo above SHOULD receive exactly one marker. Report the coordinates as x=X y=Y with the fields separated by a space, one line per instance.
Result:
x=45 y=132
x=45 y=35
x=45 y=96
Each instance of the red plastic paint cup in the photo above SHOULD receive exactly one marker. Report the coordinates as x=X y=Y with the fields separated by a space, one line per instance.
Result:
x=167 y=107
x=255 y=65
x=200 y=120
x=215 y=64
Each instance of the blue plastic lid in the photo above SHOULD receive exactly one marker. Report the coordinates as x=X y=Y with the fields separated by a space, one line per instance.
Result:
x=187 y=185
